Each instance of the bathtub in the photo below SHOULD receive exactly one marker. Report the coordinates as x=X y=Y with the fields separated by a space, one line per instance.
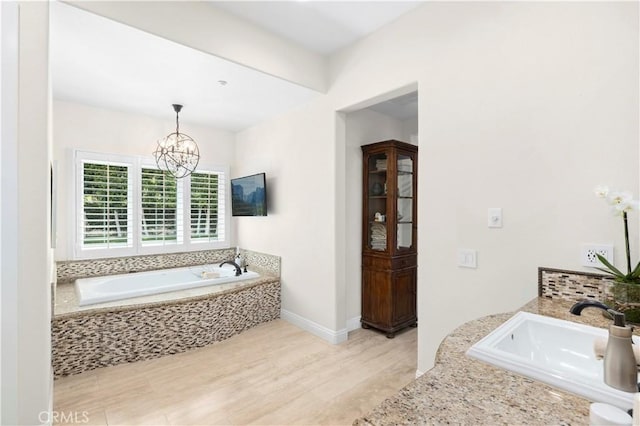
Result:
x=117 y=287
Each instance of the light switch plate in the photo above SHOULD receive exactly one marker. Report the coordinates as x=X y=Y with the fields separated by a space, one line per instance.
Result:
x=494 y=217
x=467 y=258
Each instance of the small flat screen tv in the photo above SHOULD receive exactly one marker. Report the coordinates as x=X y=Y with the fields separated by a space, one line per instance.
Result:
x=249 y=196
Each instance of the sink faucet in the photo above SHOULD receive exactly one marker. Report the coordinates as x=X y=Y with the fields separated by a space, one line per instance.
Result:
x=231 y=262
x=618 y=317
x=620 y=369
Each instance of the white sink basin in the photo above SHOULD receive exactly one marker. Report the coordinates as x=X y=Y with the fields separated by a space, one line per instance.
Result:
x=553 y=351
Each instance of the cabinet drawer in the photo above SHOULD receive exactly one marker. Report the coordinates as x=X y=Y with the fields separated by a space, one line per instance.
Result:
x=404 y=262
x=388 y=263
x=378 y=263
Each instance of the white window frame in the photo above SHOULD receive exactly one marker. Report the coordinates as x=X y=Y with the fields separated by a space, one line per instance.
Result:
x=135 y=167
x=79 y=251
x=149 y=163
x=225 y=215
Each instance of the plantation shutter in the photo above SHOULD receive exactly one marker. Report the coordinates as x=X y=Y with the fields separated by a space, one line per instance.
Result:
x=207 y=207
x=126 y=206
x=160 y=217
x=105 y=216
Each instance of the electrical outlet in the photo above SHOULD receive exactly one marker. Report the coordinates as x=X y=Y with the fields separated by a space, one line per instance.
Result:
x=590 y=251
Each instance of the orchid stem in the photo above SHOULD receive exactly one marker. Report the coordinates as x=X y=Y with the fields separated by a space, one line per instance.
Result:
x=626 y=242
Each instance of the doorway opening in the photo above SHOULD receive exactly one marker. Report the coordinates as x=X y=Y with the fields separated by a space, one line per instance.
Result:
x=392 y=116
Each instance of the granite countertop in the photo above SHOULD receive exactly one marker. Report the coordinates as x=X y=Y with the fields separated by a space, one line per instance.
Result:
x=462 y=390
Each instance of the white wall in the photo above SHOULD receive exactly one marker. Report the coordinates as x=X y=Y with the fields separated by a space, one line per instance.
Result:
x=6 y=57
x=9 y=212
x=409 y=129
x=77 y=126
x=524 y=106
x=210 y=30
x=26 y=257
x=362 y=127
x=34 y=255
x=296 y=153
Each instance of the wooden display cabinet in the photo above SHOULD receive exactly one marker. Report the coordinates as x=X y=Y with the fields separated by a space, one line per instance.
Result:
x=389 y=241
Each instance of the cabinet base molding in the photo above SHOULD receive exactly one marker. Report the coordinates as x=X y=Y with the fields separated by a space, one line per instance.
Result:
x=389 y=331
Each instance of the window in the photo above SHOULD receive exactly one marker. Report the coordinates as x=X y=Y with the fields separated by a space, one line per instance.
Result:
x=106 y=213
x=160 y=217
x=127 y=206
x=207 y=220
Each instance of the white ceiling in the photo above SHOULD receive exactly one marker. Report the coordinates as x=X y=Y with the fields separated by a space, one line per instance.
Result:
x=320 y=26
x=402 y=108
x=99 y=62
x=103 y=63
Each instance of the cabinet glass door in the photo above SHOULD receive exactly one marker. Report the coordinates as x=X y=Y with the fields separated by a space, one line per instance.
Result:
x=377 y=202
x=404 y=233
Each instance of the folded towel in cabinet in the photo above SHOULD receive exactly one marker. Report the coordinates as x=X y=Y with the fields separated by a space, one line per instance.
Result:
x=600 y=347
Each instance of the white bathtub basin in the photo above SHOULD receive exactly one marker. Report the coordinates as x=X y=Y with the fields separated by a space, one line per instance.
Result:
x=556 y=352
x=90 y=291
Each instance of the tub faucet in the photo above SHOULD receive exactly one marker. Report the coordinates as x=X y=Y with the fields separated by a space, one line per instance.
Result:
x=231 y=262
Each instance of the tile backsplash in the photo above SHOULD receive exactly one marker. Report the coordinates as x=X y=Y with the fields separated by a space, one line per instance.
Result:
x=266 y=262
x=572 y=285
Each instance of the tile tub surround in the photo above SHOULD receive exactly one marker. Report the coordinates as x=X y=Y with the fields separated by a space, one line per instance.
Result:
x=463 y=390
x=64 y=299
x=86 y=340
x=262 y=261
x=70 y=270
x=572 y=285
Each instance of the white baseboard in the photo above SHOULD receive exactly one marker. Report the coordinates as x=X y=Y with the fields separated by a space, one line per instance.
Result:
x=353 y=324
x=316 y=329
x=419 y=373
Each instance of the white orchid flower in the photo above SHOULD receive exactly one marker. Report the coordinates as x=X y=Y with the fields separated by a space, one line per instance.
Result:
x=619 y=198
x=621 y=208
x=601 y=191
x=626 y=206
x=622 y=202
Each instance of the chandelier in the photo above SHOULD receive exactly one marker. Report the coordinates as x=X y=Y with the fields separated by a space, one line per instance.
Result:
x=177 y=153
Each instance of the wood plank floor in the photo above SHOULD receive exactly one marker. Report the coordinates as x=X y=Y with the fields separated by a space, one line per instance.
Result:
x=273 y=374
